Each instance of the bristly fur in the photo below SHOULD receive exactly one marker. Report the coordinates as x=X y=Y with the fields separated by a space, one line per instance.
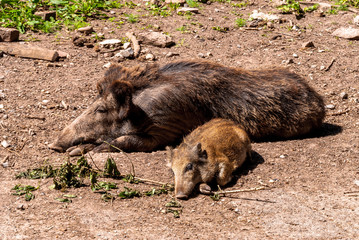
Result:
x=156 y=106
x=267 y=103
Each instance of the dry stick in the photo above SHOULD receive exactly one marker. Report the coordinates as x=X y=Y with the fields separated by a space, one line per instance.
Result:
x=133 y=168
x=330 y=65
x=339 y=113
x=94 y=162
x=241 y=190
x=136 y=45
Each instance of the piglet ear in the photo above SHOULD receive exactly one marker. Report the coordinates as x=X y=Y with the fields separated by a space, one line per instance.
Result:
x=169 y=153
x=202 y=154
x=122 y=92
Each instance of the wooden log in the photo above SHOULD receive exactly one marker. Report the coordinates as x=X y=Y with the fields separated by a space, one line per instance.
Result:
x=29 y=52
x=136 y=45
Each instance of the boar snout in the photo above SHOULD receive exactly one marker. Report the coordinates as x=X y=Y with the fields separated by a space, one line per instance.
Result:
x=181 y=195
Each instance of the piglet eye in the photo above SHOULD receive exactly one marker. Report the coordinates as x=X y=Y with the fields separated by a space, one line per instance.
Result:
x=189 y=167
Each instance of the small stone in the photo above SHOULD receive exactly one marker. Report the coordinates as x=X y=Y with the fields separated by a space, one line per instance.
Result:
x=63 y=54
x=156 y=39
x=175 y=1
x=86 y=30
x=126 y=45
x=209 y=54
x=343 y=95
x=347 y=33
x=295 y=55
x=308 y=45
x=5 y=144
x=5 y=164
x=107 y=65
x=187 y=9
x=283 y=156
x=200 y=55
x=171 y=54
x=5 y=117
x=150 y=57
x=1 y=106
x=108 y=54
x=330 y=106
x=9 y=34
x=211 y=19
x=356 y=20
x=270 y=25
x=110 y=43
x=46 y=15
x=289 y=61
x=127 y=53
x=20 y=207
x=322 y=68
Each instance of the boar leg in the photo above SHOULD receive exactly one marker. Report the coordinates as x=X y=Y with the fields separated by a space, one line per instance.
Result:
x=129 y=143
x=80 y=149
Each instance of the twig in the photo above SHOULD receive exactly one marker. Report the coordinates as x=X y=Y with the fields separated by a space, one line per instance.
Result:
x=136 y=45
x=330 y=65
x=93 y=161
x=339 y=113
x=351 y=192
x=152 y=181
x=132 y=166
x=242 y=190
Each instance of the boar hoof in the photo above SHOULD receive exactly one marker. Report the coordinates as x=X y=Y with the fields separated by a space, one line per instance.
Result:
x=205 y=189
x=53 y=146
x=80 y=150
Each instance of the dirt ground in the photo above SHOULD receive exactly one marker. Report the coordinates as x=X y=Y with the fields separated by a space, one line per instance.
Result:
x=313 y=189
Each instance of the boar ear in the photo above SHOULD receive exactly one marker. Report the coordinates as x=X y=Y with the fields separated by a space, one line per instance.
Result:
x=202 y=154
x=169 y=152
x=122 y=92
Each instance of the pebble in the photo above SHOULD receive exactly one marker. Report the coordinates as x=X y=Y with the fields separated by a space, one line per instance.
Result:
x=110 y=43
x=295 y=55
x=356 y=20
x=150 y=57
x=187 y=9
x=308 y=45
x=86 y=30
x=171 y=54
x=322 y=67
x=126 y=45
x=107 y=65
x=211 y=19
x=1 y=106
x=5 y=144
x=200 y=55
x=330 y=106
x=20 y=207
x=343 y=95
x=347 y=33
x=126 y=53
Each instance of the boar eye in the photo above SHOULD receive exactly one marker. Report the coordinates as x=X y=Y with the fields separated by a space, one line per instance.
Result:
x=100 y=109
x=189 y=167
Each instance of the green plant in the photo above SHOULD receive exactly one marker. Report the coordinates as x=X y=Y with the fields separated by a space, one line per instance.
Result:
x=241 y=22
x=240 y=4
x=183 y=29
x=221 y=29
x=24 y=190
x=291 y=6
x=131 y=18
x=129 y=193
x=192 y=3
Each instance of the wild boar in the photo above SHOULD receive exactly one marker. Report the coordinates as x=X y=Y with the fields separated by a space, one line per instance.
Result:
x=145 y=108
x=211 y=152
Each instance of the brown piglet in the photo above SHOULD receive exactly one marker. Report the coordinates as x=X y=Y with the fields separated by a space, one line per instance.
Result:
x=211 y=152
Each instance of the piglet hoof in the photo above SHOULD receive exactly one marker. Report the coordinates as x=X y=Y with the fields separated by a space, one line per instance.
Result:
x=205 y=189
x=80 y=150
x=105 y=147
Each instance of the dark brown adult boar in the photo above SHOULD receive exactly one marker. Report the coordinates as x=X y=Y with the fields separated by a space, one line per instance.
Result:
x=210 y=153
x=147 y=108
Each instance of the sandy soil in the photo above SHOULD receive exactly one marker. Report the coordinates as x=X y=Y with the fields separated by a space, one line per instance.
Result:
x=313 y=183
